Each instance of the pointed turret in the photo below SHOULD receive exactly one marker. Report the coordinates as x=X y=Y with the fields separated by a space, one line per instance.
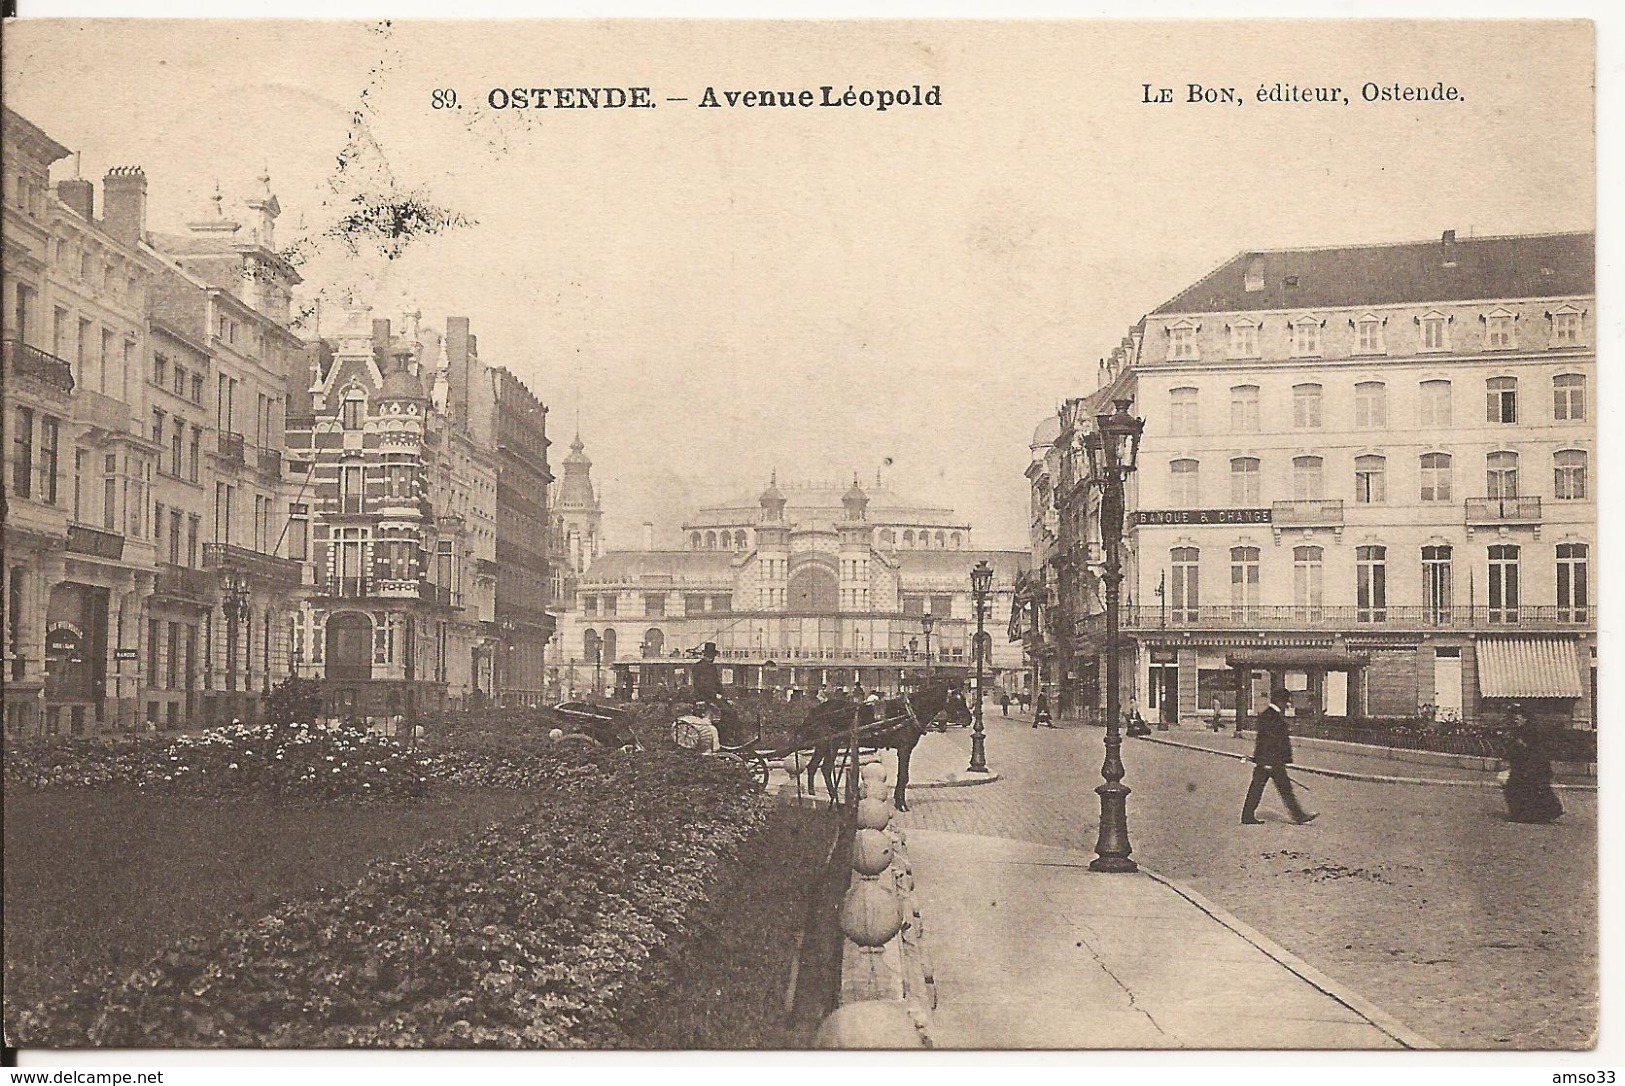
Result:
x=856 y=502
x=772 y=501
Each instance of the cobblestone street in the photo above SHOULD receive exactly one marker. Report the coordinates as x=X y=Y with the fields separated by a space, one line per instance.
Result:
x=1475 y=931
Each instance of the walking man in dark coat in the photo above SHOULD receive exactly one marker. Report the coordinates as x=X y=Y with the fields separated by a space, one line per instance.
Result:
x=1272 y=753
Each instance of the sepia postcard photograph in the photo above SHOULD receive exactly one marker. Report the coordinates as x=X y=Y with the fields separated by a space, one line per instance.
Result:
x=673 y=535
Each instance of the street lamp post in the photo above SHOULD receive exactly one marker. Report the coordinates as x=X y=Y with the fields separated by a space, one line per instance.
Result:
x=981 y=584
x=1113 y=450
x=928 y=620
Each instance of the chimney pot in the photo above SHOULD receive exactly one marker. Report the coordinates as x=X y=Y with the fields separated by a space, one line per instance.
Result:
x=1448 y=244
x=124 y=203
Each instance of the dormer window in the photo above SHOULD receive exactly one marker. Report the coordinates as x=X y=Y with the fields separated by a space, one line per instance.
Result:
x=1565 y=327
x=1435 y=329
x=1368 y=335
x=1182 y=341
x=1499 y=330
x=1244 y=339
x=1305 y=338
x=352 y=410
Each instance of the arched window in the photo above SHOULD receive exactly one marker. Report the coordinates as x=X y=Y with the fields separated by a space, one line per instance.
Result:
x=1307 y=587
x=1570 y=468
x=1573 y=581
x=1243 y=582
x=710 y=541
x=1244 y=481
x=1370 y=405
x=352 y=410
x=1435 y=477
x=1433 y=407
x=695 y=539
x=1371 y=583
x=1182 y=417
x=590 y=643
x=1184 y=487
x=739 y=540
x=942 y=539
x=908 y=538
x=1308 y=483
x=1501 y=475
x=888 y=538
x=1370 y=480
x=1569 y=397
x=1501 y=399
x=1306 y=406
x=1184 y=590
x=609 y=645
x=1244 y=409
x=1504 y=583
x=1436 y=587
x=956 y=540
x=654 y=643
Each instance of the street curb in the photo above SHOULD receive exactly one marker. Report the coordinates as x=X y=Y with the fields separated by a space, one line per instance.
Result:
x=963 y=782
x=1373 y=778
x=1387 y=1023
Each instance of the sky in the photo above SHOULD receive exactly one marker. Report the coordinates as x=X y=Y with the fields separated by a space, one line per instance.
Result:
x=719 y=294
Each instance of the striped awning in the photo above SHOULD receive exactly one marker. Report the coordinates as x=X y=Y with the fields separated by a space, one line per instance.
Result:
x=1528 y=667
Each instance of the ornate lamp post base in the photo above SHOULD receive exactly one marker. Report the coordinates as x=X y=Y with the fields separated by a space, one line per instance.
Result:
x=978 y=752
x=1112 y=847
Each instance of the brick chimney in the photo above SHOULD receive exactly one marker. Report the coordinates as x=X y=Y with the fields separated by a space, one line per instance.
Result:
x=124 y=204
x=1447 y=246
x=80 y=195
x=648 y=535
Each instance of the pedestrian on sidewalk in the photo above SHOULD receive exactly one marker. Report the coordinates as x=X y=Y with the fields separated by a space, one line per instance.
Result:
x=1272 y=754
x=1528 y=788
x=1041 y=713
x=1004 y=702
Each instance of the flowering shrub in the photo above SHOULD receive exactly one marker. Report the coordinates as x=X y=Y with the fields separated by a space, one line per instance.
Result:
x=265 y=758
x=547 y=931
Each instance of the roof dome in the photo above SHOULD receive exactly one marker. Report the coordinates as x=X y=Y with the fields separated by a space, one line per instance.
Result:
x=772 y=493
x=401 y=384
x=1047 y=432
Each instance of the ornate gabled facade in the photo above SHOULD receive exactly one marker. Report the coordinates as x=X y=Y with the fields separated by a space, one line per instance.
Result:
x=821 y=584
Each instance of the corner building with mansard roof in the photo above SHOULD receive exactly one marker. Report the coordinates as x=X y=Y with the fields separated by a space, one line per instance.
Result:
x=1368 y=473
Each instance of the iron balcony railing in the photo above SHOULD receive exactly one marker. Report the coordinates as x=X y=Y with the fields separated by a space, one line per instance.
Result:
x=231 y=446
x=225 y=556
x=182 y=583
x=1344 y=617
x=1307 y=512
x=83 y=539
x=1519 y=510
x=26 y=361
x=270 y=461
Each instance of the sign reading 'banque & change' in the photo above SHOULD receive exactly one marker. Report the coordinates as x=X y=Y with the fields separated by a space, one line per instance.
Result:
x=1202 y=516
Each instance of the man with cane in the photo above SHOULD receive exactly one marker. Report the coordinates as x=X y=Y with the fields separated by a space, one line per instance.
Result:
x=1272 y=753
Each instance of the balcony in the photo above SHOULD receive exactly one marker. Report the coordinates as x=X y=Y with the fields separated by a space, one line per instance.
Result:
x=83 y=539
x=285 y=572
x=1349 y=619
x=231 y=447
x=484 y=567
x=31 y=362
x=270 y=461
x=348 y=588
x=183 y=584
x=1307 y=513
x=1503 y=512
x=397 y=590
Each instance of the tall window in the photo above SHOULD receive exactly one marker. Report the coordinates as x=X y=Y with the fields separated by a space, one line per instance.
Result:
x=352 y=482
x=1244 y=340
x=1182 y=342
x=1244 y=481
x=1433 y=404
x=1305 y=338
x=1371 y=583
x=22 y=455
x=350 y=561
x=194 y=453
x=175 y=521
x=194 y=528
x=1501 y=475
x=1184 y=487
x=299 y=531
x=1184 y=596
x=1244 y=409
x=1436 y=594
x=654 y=605
x=1370 y=480
x=350 y=411
x=1182 y=418
x=1435 y=477
x=1503 y=583
x=1307 y=588
x=110 y=492
x=176 y=435
x=1570 y=468
x=1498 y=327
x=1501 y=399
x=1306 y=406
x=50 y=452
x=1569 y=397
x=1307 y=479
x=1573 y=582
x=1243 y=582
x=1368 y=336
x=1434 y=335
x=1370 y=405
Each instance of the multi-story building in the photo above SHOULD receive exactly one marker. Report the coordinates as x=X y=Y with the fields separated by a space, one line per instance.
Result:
x=803 y=586
x=524 y=529
x=395 y=438
x=79 y=534
x=219 y=376
x=575 y=539
x=1367 y=472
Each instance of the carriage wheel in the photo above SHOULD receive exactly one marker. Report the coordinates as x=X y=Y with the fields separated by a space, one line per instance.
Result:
x=759 y=771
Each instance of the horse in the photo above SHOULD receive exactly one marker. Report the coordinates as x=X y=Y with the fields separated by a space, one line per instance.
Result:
x=827 y=731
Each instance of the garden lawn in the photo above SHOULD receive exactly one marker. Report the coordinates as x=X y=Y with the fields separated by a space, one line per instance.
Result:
x=99 y=880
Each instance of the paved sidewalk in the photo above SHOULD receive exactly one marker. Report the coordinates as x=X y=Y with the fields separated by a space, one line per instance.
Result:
x=1031 y=949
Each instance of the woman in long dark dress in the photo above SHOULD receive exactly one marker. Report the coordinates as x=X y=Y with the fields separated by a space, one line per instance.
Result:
x=1529 y=793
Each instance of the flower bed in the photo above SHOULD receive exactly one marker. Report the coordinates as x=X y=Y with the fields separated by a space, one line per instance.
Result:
x=547 y=931
x=269 y=758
